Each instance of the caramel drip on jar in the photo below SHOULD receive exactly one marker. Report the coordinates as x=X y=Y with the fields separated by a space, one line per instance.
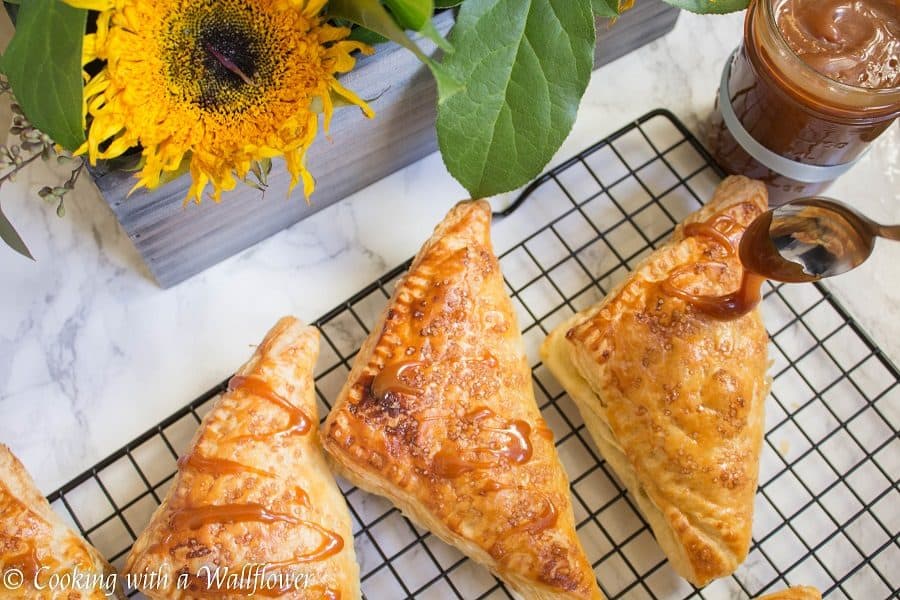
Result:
x=727 y=306
x=390 y=380
x=298 y=421
x=517 y=449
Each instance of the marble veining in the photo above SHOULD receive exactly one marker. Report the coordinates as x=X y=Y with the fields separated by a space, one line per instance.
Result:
x=92 y=353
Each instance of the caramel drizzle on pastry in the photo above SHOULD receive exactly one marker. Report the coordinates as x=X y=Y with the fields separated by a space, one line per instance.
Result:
x=217 y=466
x=26 y=561
x=298 y=421
x=449 y=463
x=195 y=517
x=390 y=380
x=541 y=521
x=728 y=306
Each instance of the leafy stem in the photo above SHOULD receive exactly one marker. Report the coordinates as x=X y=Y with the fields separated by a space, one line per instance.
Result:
x=10 y=174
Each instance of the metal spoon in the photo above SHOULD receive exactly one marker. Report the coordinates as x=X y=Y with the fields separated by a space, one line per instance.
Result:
x=810 y=239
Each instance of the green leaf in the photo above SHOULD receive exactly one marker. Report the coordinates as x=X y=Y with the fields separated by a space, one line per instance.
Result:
x=9 y=235
x=710 y=6
x=43 y=66
x=411 y=14
x=431 y=32
x=606 y=8
x=525 y=64
x=372 y=15
x=367 y=36
x=447 y=3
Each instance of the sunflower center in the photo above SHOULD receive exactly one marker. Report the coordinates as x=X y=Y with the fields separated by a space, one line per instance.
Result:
x=229 y=52
x=219 y=55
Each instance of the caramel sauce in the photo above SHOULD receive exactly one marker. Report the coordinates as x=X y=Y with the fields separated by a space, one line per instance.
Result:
x=543 y=521
x=390 y=380
x=546 y=433
x=708 y=229
x=195 y=517
x=727 y=306
x=782 y=87
x=516 y=449
x=298 y=421
x=540 y=522
x=856 y=42
x=26 y=561
x=222 y=466
x=217 y=466
x=448 y=464
x=331 y=544
x=756 y=246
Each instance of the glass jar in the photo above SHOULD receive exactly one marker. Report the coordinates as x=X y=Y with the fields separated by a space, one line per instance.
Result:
x=779 y=120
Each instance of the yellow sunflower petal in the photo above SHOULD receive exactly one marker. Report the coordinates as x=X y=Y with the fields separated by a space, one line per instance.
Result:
x=176 y=88
x=92 y=4
x=352 y=97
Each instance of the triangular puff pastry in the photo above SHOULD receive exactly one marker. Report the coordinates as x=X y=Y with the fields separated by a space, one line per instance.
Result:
x=40 y=556
x=673 y=397
x=439 y=416
x=254 y=508
x=794 y=593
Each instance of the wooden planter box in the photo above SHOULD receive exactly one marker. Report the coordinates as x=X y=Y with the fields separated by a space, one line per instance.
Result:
x=178 y=241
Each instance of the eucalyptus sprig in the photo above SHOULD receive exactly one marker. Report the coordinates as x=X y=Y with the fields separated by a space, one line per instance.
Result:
x=32 y=145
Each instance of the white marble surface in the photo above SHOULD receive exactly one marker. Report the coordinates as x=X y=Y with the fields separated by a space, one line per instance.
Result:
x=92 y=353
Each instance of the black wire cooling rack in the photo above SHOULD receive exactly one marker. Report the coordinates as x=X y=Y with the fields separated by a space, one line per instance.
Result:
x=828 y=507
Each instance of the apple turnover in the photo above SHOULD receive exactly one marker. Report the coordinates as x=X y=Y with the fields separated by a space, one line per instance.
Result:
x=438 y=415
x=671 y=385
x=41 y=557
x=254 y=509
x=794 y=593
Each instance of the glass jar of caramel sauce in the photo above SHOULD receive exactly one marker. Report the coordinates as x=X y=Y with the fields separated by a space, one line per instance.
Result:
x=812 y=85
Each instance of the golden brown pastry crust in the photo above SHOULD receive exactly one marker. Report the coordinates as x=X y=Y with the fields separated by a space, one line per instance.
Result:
x=37 y=543
x=438 y=415
x=794 y=593
x=674 y=398
x=254 y=489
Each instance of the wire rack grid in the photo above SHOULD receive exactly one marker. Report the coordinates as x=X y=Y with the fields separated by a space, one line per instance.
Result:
x=828 y=507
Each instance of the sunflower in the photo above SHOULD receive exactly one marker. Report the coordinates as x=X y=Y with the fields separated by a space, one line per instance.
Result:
x=216 y=84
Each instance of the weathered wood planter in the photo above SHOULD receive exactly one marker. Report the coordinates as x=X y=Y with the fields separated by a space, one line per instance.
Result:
x=177 y=242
